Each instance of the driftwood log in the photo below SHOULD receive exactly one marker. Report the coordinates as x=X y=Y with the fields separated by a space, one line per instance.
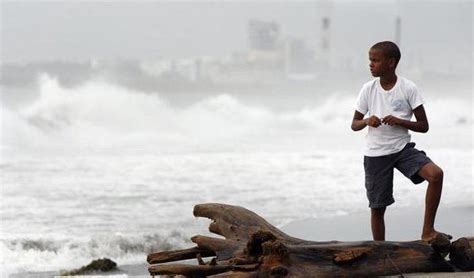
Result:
x=254 y=248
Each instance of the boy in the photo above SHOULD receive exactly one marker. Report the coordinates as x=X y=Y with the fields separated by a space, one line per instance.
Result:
x=390 y=101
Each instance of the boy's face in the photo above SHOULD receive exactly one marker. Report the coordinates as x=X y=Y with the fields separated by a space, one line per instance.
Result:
x=379 y=63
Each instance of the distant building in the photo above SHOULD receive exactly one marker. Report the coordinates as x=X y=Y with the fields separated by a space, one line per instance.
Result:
x=263 y=35
x=298 y=58
x=266 y=51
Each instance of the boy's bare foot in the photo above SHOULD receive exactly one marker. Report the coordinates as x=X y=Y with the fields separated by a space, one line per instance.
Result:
x=429 y=237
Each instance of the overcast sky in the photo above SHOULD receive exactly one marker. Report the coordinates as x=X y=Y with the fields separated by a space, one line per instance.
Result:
x=75 y=31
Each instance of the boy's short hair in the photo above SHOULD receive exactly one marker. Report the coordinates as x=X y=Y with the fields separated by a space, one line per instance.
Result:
x=389 y=49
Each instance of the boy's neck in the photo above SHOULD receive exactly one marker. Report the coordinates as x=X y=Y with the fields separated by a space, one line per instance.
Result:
x=388 y=81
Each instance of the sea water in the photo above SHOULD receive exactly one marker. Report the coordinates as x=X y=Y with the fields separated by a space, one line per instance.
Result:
x=99 y=170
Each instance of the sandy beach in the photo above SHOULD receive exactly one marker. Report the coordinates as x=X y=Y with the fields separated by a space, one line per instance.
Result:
x=401 y=224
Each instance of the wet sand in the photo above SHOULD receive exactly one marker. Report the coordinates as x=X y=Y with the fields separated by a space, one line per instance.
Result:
x=401 y=224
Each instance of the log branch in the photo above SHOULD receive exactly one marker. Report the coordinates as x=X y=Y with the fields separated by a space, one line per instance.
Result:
x=178 y=255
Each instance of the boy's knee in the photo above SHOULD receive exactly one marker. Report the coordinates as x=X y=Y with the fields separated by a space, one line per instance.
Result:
x=436 y=175
x=432 y=173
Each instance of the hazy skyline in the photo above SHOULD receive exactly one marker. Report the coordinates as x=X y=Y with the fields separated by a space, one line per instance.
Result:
x=80 y=31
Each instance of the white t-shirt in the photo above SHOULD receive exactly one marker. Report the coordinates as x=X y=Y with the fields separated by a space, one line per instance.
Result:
x=400 y=101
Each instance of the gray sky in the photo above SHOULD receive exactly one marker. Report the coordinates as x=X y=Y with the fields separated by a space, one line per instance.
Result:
x=74 y=31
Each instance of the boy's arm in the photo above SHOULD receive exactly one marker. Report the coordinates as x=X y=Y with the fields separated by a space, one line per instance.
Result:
x=421 y=124
x=358 y=122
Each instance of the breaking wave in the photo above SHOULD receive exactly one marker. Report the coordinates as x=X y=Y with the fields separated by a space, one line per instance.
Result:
x=102 y=115
x=46 y=254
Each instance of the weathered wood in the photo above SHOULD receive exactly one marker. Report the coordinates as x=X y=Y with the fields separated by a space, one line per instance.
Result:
x=441 y=244
x=462 y=253
x=237 y=223
x=188 y=270
x=253 y=247
x=178 y=255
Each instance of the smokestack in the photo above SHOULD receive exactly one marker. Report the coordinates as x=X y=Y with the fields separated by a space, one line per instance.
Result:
x=325 y=34
x=398 y=30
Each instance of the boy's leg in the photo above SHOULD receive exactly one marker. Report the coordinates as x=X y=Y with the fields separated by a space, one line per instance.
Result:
x=434 y=175
x=378 y=223
x=379 y=186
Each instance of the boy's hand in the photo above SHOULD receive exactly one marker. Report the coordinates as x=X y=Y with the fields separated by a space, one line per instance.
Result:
x=391 y=120
x=373 y=121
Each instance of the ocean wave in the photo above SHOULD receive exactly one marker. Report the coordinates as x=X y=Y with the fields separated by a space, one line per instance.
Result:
x=102 y=115
x=32 y=244
x=47 y=254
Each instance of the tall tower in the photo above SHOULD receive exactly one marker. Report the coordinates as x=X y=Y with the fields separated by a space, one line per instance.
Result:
x=323 y=50
x=325 y=25
x=398 y=30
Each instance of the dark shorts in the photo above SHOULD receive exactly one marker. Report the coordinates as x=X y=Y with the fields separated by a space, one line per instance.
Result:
x=379 y=173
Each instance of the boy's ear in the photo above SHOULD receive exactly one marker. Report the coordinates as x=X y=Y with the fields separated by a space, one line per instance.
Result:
x=392 y=62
